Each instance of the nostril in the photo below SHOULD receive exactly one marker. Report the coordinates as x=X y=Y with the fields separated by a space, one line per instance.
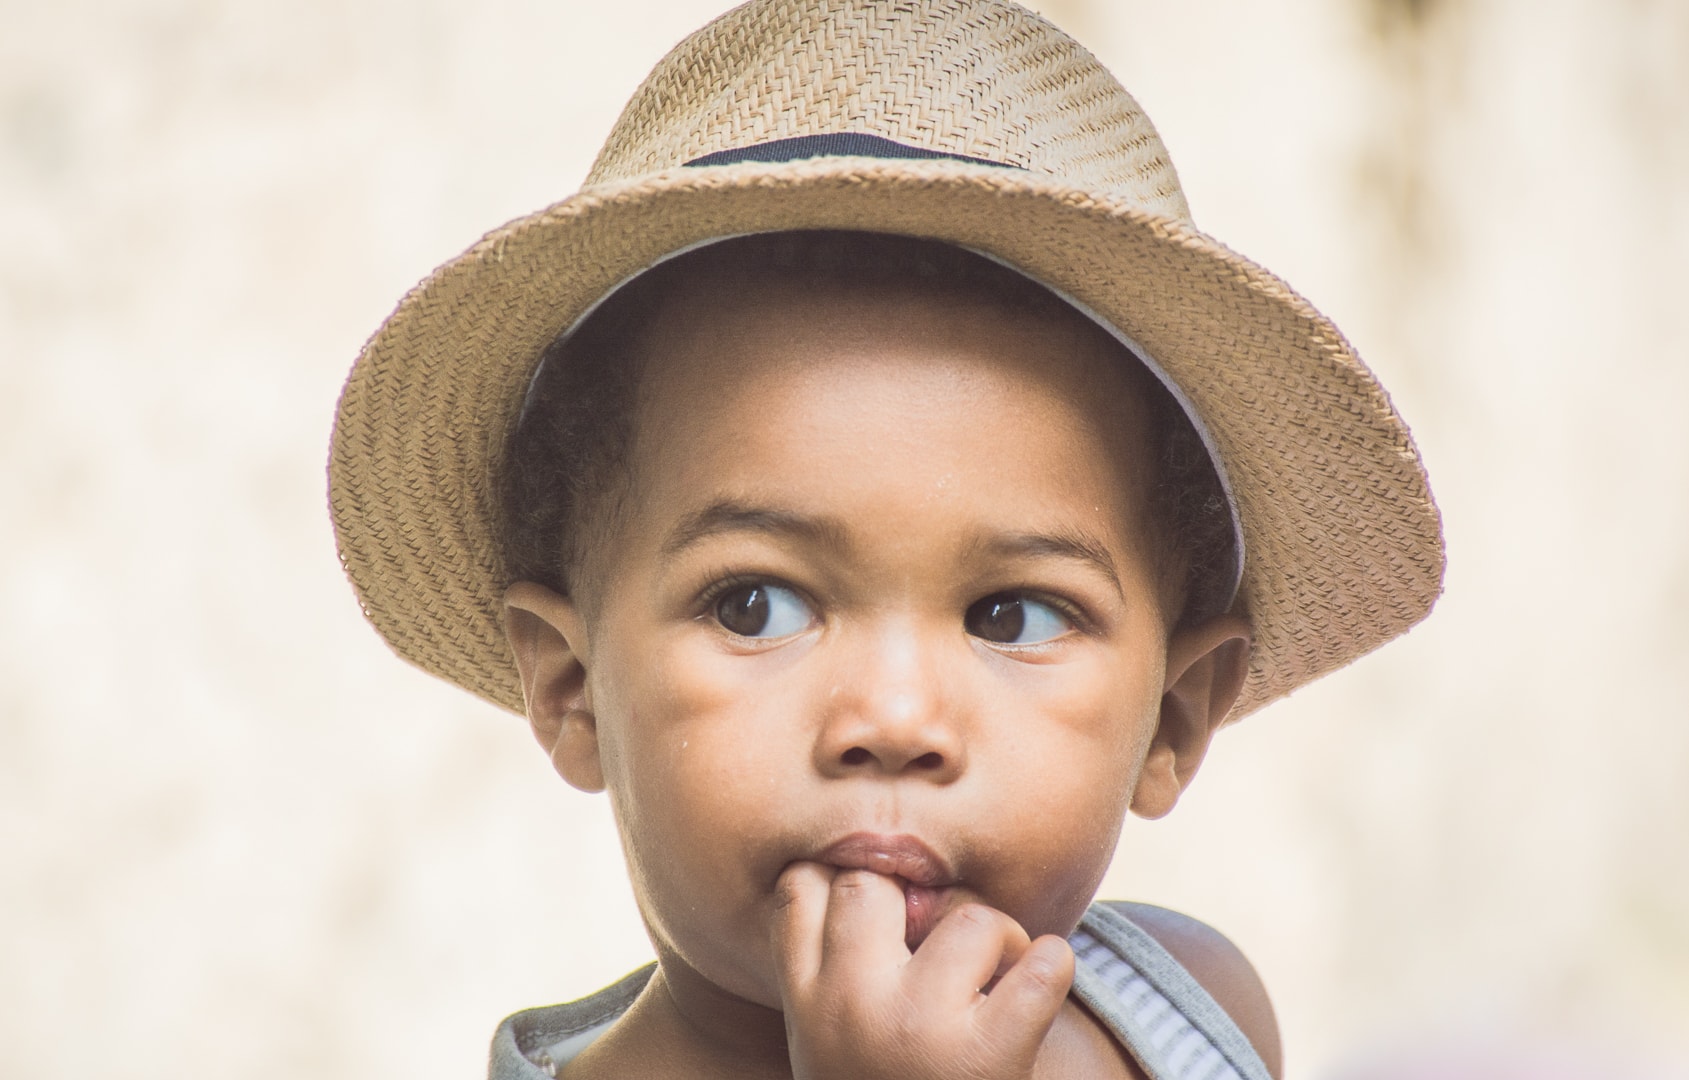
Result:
x=858 y=755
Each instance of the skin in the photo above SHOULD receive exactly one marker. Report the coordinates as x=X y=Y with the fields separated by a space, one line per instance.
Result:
x=885 y=462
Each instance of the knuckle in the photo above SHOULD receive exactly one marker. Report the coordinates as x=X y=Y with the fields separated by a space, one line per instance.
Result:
x=1044 y=971
x=976 y=918
x=788 y=890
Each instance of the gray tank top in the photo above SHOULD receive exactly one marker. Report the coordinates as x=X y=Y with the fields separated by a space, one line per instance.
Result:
x=1167 y=1022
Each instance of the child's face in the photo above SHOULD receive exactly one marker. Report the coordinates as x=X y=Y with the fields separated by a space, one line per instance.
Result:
x=880 y=597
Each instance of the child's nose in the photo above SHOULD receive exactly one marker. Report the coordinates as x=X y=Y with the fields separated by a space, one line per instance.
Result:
x=889 y=714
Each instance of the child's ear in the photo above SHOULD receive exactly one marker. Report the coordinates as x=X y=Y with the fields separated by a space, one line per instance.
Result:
x=1206 y=665
x=549 y=636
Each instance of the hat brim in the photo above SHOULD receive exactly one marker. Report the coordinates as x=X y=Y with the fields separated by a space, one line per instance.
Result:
x=1343 y=539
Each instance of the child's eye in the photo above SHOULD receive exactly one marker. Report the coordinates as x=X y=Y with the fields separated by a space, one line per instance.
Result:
x=1012 y=619
x=762 y=610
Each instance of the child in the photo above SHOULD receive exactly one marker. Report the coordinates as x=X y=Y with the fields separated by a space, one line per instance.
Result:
x=875 y=483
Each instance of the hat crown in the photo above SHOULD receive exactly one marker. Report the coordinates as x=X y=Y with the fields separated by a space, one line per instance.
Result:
x=974 y=78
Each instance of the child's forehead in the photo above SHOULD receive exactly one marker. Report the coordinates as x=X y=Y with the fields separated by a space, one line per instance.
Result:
x=837 y=356
x=725 y=316
x=757 y=378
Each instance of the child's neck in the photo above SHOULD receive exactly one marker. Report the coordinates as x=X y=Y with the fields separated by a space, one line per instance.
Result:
x=683 y=1025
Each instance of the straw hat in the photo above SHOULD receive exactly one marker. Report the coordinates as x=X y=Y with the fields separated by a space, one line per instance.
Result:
x=968 y=121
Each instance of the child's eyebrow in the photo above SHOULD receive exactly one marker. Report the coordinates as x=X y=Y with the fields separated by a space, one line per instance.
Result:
x=726 y=516
x=1063 y=544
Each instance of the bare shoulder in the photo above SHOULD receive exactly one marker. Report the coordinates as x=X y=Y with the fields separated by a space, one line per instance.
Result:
x=1222 y=970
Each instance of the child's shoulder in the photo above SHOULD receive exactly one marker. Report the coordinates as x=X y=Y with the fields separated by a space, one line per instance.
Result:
x=1219 y=967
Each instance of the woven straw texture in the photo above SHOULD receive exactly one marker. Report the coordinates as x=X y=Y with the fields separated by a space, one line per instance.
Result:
x=1343 y=539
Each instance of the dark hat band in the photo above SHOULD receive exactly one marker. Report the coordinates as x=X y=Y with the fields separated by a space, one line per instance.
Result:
x=833 y=144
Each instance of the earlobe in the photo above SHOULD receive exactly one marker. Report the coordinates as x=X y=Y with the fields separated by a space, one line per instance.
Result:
x=1206 y=666
x=548 y=635
x=574 y=750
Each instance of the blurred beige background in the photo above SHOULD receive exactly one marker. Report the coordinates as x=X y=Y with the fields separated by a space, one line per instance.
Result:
x=236 y=834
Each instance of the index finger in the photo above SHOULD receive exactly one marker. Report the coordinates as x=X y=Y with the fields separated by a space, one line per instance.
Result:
x=800 y=909
x=863 y=931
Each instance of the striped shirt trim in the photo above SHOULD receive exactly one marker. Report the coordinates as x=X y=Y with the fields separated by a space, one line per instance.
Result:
x=1170 y=1024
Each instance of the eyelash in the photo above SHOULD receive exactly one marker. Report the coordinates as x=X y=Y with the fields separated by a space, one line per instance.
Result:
x=728 y=581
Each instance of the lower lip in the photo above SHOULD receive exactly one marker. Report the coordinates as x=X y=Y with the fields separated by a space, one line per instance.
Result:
x=923 y=906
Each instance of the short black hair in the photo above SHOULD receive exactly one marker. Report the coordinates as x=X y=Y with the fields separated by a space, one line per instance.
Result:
x=567 y=460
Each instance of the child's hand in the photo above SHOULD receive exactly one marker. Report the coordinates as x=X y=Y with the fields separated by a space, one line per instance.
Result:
x=859 y=1005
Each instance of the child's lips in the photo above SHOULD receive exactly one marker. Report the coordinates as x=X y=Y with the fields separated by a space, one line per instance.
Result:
x=928 y=881
x=900 y=855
